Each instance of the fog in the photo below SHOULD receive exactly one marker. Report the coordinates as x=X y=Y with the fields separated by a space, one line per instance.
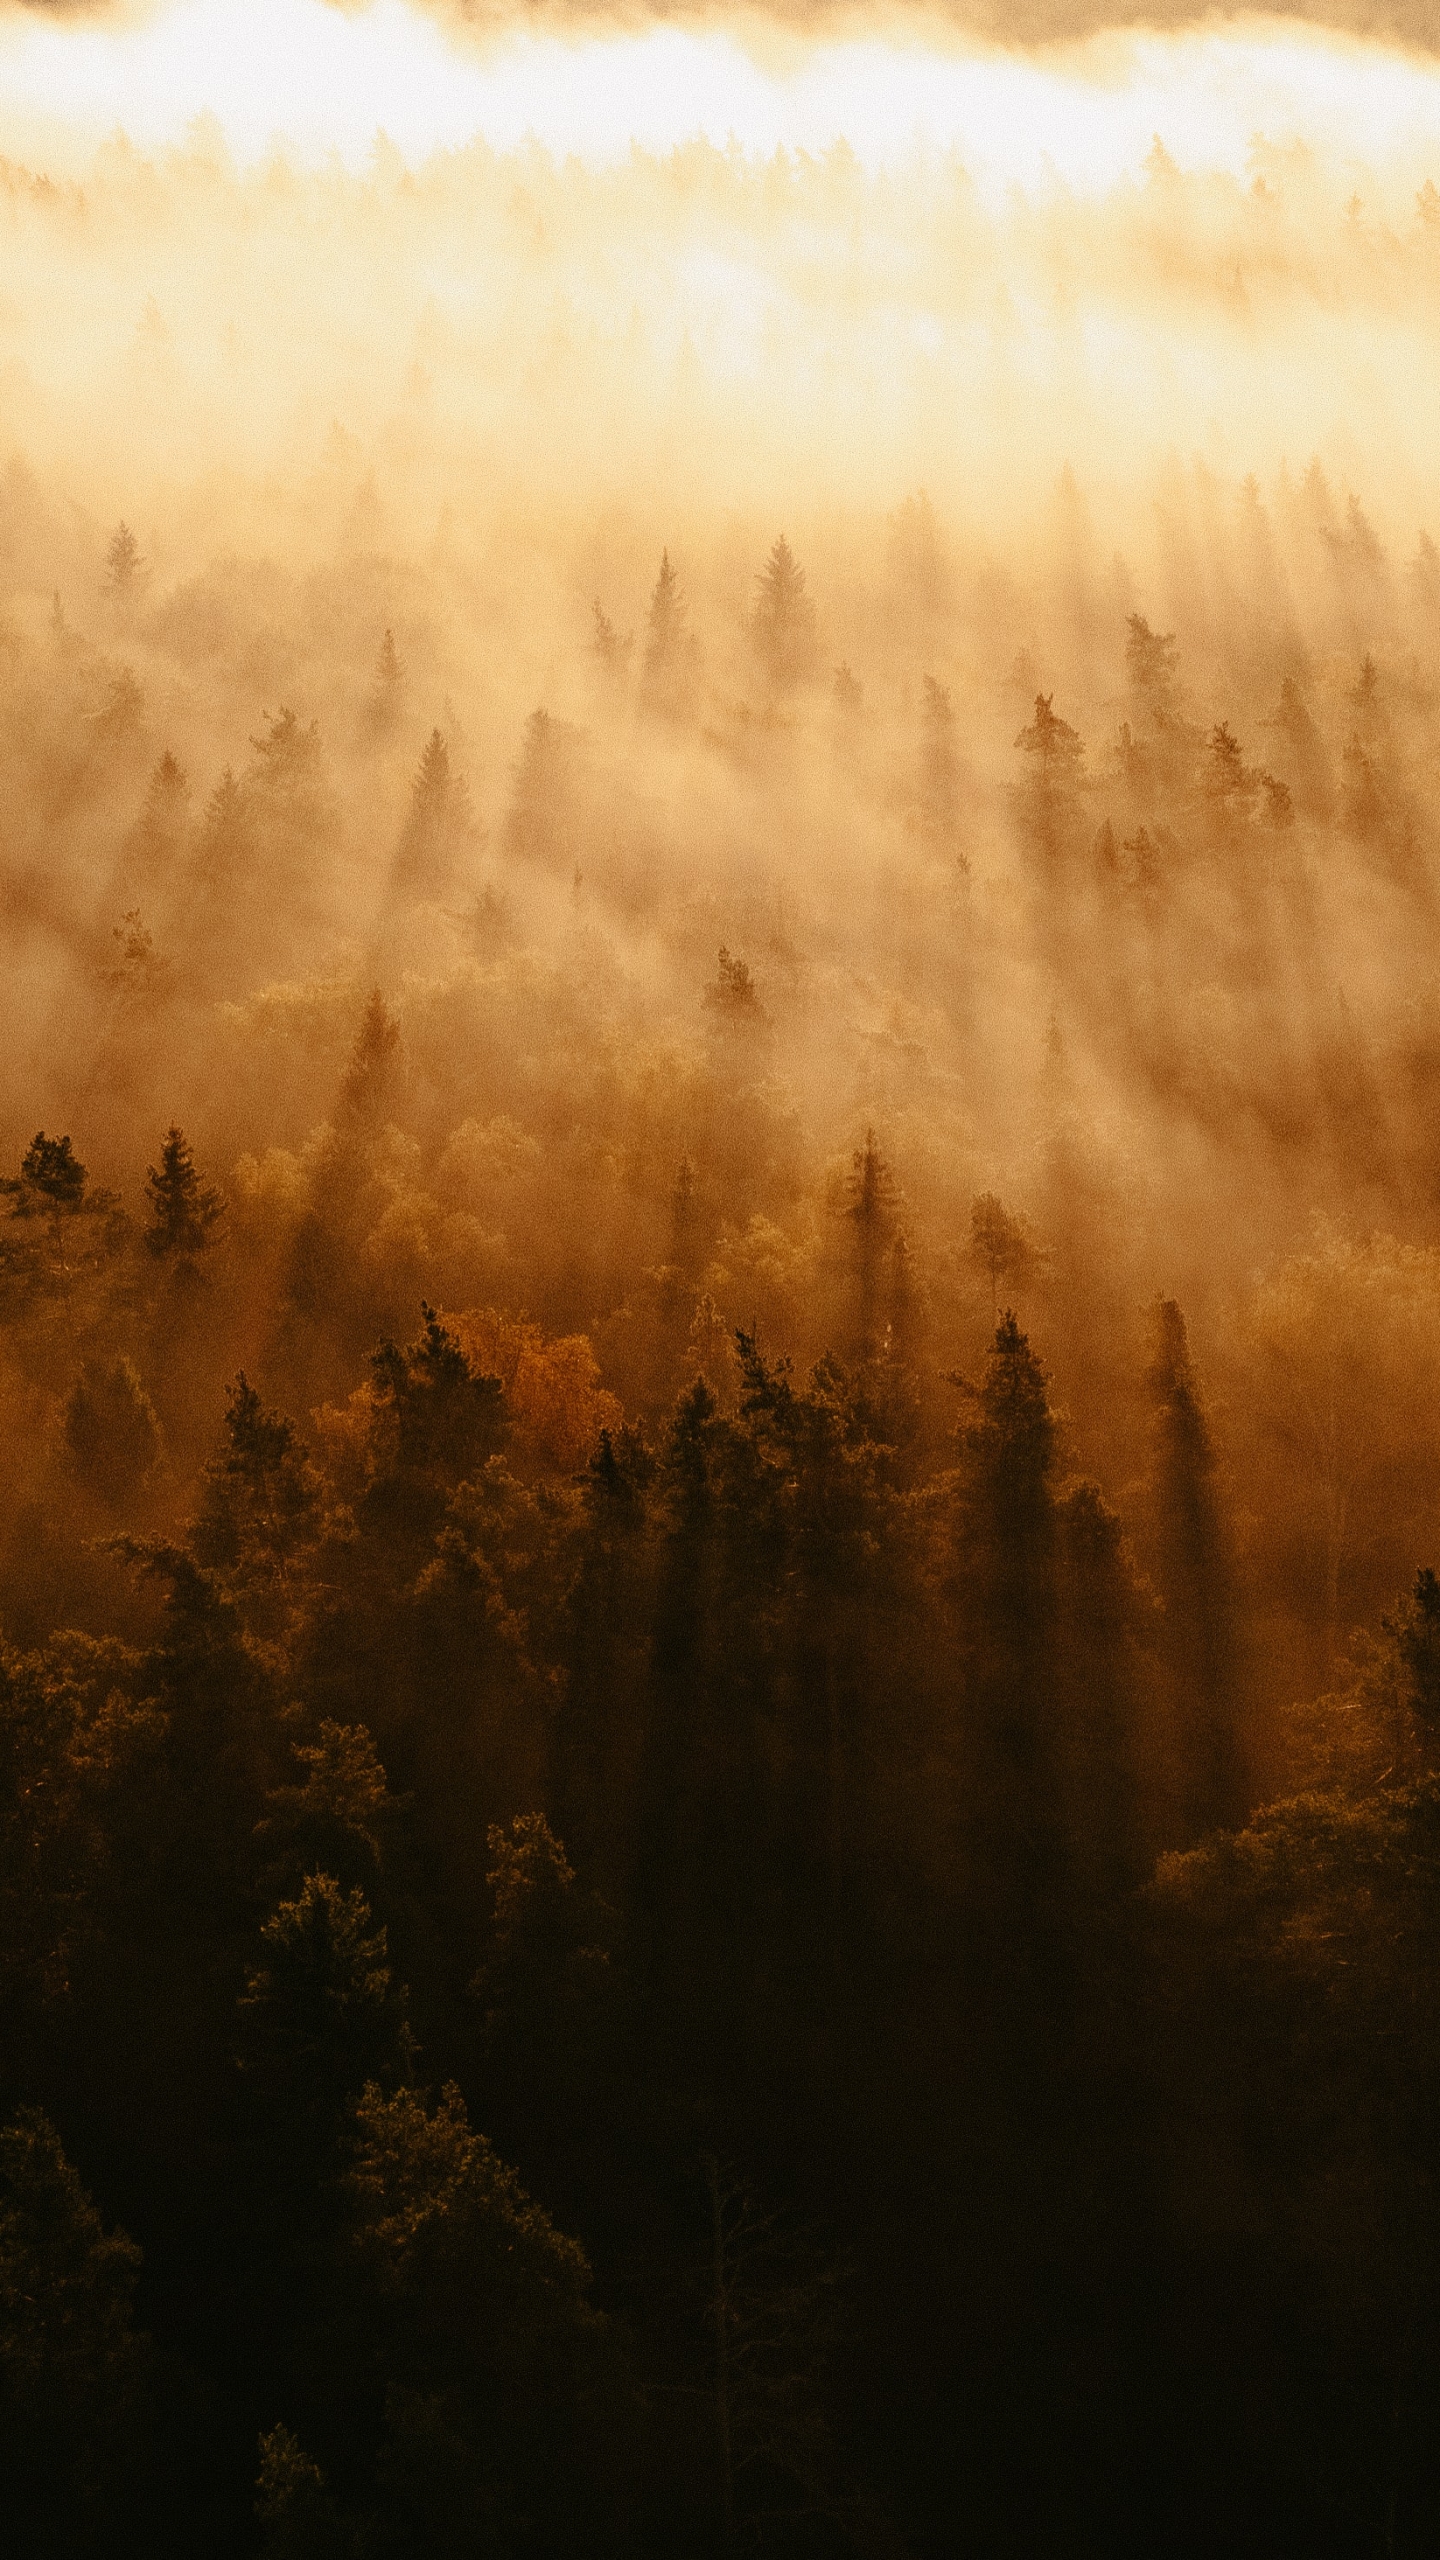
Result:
x=724 y=701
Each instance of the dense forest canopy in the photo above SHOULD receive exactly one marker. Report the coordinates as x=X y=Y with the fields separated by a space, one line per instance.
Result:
x=719 y=1359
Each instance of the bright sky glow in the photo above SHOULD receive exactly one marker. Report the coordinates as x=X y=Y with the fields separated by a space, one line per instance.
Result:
x=320 y=81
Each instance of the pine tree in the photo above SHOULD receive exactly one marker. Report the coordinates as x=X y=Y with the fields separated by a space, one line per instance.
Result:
x=51 y=1179
x=1195 y=1575
x=731 y=993
x=124 y=568
x=223 y=852
x=873 y=1198
x=1003 y=1247
x=612 y=652
x=387 y=690
x=684 y=1218
x=159 y=833
x=1008 y=1537
x=543 y=814
x=1152 y=663
x=72 y=2365
x=1056 y=747
x=671 y=652
x=111 y=1430
x=439 y=826
x=377 y=1046
x=939 y=766
x=184 y=1211
x=782 y=626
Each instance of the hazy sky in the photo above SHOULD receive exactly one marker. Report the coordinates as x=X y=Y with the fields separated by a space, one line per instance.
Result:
x=323 y=79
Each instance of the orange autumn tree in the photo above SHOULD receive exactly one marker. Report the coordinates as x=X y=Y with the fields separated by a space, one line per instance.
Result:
x=553 y=1396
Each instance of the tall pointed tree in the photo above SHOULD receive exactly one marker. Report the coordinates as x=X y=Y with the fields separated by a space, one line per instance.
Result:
x=782 y=626
x=184 y=1211
x=1195 y=1573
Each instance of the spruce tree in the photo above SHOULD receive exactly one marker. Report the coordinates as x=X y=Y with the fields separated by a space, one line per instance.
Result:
x=1195 y=1575
x=871 y=1212
x=124 y=568
x=184 y=1211
x=671 y=653
x=782 y=626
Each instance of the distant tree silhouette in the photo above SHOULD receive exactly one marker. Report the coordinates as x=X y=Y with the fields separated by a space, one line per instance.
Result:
x=124 y=568
x=439 y=826
x=612 y=652
x=731 y=993
x=385 y=702
x=782 y=626
x=671 y=663
x=377 y=1046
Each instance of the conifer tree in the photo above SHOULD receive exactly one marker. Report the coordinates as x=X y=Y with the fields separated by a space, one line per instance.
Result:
x=51 y=1179
x=1152 y=663
x=612 y=652
x=1055 y=746
x=439 y=825
x=1196 y=1581
x=671 y=652
x=542 y=818
x=939 y=766
x=871 y=1212
x=72 y=2365
x=184 y=1211
x=387 y=690
x=124 y=568
x=224 y=835
x=161 y=828
x=112 y=1431
x=1007 y=1573
x=372 y=1060
x=782 y=626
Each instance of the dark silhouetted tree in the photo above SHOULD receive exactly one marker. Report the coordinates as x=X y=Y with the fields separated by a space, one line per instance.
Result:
x=873 y=1199
x=1195 y=1574
x=184 y=1211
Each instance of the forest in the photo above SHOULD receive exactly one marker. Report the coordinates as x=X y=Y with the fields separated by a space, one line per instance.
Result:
x=719 y=1365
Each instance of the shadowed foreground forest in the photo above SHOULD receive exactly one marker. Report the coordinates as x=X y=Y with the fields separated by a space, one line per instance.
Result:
x=719 y=1379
